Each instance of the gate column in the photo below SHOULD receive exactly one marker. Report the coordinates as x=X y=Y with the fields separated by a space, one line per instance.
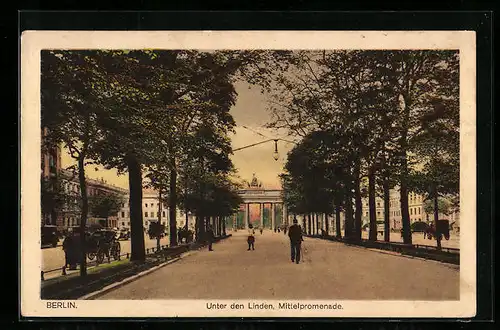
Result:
x=273 y=217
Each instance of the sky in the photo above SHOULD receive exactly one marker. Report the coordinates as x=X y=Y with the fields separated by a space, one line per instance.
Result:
x=250 y=111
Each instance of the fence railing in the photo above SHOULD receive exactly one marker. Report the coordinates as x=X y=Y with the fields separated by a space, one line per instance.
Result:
x=169 y=252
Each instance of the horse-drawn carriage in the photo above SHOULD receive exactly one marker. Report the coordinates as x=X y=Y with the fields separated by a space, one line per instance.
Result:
x=442 y=230
x=102 y=243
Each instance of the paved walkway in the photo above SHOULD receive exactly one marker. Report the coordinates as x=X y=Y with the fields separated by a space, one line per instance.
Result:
x=330 y=270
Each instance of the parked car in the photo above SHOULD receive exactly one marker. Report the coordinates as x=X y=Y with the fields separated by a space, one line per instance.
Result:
x=50 y=235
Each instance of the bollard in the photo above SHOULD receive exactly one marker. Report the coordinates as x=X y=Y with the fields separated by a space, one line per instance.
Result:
x=64 y=270
x=43 y=279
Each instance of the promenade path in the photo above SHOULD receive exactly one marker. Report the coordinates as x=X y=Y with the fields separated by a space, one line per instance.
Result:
x=330 y=270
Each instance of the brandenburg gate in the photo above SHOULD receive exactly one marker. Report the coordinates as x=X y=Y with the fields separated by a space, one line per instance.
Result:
x=254 y=193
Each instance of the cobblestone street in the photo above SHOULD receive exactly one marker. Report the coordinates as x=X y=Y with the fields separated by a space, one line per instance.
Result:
x=329 y=270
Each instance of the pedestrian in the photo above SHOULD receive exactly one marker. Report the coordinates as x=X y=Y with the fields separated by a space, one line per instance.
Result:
x=210 y=237
x=275 y=229
x=251 y=238
x=295 y=235
x=68 y=247
x=285 y=229
x=261 y=230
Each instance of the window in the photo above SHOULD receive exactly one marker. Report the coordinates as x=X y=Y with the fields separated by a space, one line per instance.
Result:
x=123 y=223
x=123 y=205
x=378 y=204
x=123 y=214
x=163 y=213
x=146 y=214
x=378 y=213
x=146 y=204
x=411 y=211
x=419 y=210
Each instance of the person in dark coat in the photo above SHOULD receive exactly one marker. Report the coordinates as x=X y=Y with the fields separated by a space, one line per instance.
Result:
x=295 y=235
x=210 y=237
x=251 y=238
x=68 y=248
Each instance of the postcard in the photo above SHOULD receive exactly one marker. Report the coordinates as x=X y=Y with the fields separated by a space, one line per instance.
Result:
x=248 y=174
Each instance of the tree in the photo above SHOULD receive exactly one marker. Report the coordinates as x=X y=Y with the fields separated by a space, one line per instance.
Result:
x=438 y=144
x=378 y=98
x=105 y=205
x=444 y=206
x=69 y=112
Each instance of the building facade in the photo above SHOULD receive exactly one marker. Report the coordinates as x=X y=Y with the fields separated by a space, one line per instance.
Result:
x=379 y=213
x=50 y=168
x=71 y=213
x=152 y=212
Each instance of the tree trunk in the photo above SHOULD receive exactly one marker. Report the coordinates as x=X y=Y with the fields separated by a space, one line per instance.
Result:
x=358 y=201
x=309 y=224
x=349 y=221
x=436 y=219
x=202 y=228
x=173 y=205
x=337 y=222
x=197 y=228
x=158 y=245
x=371 y=205
x=403 y=196
x=186 y=225
x=313 y=224
x=224 y=227
x=387 y=225
x=83 y=216
x=405 y=213
x=136 y=223
x=318 y=231
x=327 y=225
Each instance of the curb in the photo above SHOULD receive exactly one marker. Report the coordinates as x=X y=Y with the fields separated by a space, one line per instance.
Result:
x=393 y=253
x=127 y=280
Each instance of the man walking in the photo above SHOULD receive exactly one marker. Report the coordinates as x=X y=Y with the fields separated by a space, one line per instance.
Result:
x=251 y=238
x=295 y=235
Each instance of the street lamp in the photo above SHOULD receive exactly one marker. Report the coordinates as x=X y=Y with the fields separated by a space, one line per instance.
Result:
x=275 y=154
